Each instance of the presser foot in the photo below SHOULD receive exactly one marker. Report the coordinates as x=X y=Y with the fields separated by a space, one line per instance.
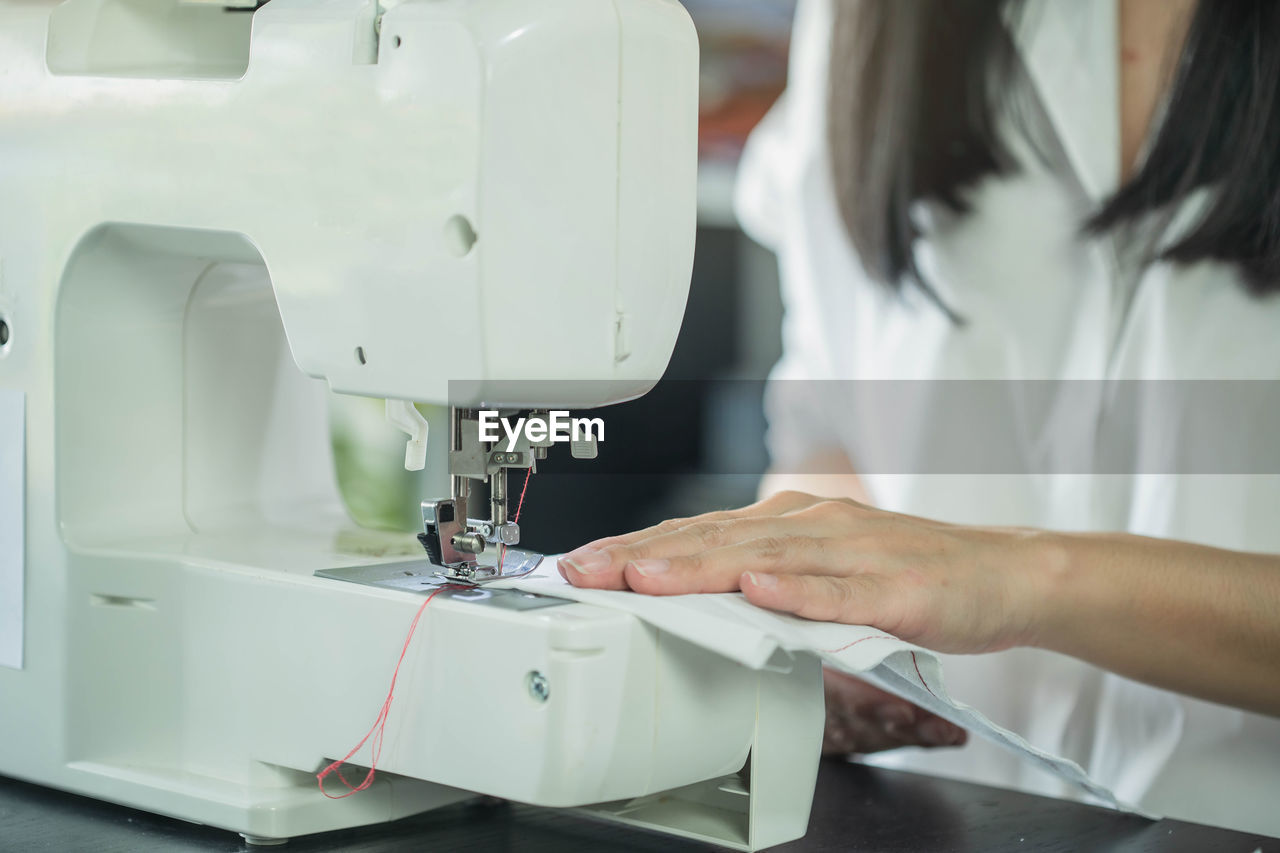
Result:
x=515 y=564
x=454 y=546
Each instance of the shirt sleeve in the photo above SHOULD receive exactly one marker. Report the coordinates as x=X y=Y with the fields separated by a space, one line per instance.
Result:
x=774 y=201
x=758 y=192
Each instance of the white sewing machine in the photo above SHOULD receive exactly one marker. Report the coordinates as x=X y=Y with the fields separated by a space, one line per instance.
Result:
x=209 y=213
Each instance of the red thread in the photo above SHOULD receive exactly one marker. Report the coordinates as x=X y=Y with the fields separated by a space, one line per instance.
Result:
x=914 y=662
x=379 y=724
x=924 y=683
x=855 y=642
x=379 y=727
x=525 y=488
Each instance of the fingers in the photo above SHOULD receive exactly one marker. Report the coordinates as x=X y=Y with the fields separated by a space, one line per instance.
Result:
x=714 y=570
x=697 y=537
x=600 y=564
x=855 y=599
x=591 y=568
x=708 y=541
x=766 y=543
x=721 y=569
x=778 y=504
x=863 y=719
x=852 y=733
x=880 y=729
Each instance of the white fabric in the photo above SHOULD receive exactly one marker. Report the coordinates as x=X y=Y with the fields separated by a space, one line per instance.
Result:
x=1041 y=302
x=730 y=625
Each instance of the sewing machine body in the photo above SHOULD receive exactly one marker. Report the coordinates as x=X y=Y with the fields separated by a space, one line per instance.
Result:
x=207 y=217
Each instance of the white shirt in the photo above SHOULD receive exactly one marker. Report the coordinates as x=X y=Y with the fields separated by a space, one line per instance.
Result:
x=1040 y=302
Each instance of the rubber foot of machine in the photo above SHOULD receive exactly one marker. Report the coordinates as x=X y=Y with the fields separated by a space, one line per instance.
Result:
x=261 y=841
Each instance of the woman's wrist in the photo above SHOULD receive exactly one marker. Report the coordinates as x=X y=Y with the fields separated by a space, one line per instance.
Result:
x=1050 y=574
x=1079 y=582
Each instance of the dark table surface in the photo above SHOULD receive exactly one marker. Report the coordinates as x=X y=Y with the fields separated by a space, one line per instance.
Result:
x=855 y=808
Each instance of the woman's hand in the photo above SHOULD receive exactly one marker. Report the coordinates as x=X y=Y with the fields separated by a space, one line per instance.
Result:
x=1184 y=617
x=946 y=587
x=863 y=719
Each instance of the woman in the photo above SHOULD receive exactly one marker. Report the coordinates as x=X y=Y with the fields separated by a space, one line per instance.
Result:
x=1045 y=194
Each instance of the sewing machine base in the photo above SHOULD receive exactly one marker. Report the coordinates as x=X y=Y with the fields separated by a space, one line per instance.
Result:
x=222 y=683
x=424 y=575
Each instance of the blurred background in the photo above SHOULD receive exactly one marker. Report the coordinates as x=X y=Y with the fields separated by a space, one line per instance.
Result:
x=667 y=453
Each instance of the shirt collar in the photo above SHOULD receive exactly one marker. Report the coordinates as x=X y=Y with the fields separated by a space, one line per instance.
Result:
x=1069 y=48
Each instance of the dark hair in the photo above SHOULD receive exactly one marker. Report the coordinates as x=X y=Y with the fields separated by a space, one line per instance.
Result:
x=916 y=89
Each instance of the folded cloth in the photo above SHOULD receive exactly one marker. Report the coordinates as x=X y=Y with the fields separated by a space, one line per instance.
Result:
x=760 y=639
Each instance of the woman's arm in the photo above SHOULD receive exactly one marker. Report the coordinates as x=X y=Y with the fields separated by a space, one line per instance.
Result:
x=1198 y=620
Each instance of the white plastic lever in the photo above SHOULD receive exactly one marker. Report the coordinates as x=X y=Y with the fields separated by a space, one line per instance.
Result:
x=405 y=416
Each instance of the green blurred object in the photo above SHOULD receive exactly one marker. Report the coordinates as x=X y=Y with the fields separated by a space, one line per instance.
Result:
x=368 y=457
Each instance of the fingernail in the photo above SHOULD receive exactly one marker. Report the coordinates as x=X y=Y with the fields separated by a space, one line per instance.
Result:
x=586 y=561
x=762 y=580
x=938 y=733
x=650 y=568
